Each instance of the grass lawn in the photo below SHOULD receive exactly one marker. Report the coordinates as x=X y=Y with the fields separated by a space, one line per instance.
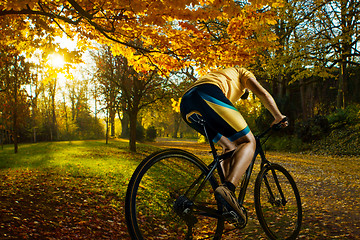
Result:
x=76 y=190
x=66 y=190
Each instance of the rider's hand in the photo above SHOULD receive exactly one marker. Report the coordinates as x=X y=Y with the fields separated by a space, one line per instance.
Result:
x=278 y=120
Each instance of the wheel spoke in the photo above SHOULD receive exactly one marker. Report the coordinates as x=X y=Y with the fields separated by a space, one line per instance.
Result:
x=161 y=210
x=277 y=203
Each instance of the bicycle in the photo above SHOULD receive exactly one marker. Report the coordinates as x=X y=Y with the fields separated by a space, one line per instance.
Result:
x=184 y=205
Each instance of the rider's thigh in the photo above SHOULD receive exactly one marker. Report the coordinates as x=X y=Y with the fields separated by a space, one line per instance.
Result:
x=226 y=144
x=248 y=139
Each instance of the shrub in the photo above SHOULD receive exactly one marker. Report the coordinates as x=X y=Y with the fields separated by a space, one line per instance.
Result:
x=312 y=129
x=286 y=143
x=348 y=116
x=151 y=133
x=140 y=133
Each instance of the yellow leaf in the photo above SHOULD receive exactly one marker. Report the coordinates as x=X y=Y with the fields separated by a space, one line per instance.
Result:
x=176 y=105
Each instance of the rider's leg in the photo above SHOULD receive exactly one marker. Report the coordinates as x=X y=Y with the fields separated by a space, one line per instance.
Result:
x=227 y=146
x=234 y=168
x=245 y=149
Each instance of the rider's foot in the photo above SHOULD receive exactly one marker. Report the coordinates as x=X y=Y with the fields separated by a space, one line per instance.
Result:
x=228 y=199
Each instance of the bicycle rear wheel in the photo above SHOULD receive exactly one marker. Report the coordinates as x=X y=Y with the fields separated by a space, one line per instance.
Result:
x=277 y=203
x=159 y=202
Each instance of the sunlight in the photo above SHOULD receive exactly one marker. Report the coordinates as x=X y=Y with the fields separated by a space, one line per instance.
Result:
x=56 y=60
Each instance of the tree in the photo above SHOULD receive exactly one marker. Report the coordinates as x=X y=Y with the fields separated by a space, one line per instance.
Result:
x=337 y=28
x=105 y=75
x=126 y=88
x=14 y=72
x=180 y=81
x=173 y=34
x=306 y=61
x=151 y=35
x=142 y=90
x=78 y=120
x=281 y=68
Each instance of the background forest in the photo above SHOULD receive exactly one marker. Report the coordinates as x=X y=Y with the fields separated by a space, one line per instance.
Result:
x=127 y=65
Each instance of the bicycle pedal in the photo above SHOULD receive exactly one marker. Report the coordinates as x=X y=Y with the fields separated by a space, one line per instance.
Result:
x=232 y=216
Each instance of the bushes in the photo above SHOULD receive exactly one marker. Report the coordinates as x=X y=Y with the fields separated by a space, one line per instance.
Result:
x=286 y=143
x=313 y=129
x=337 y=134
x=344 y=138
x=151 y=133
x=140 y=133
x=318 y=127
x=349 y=116
x=344 y=141
x=143 y=134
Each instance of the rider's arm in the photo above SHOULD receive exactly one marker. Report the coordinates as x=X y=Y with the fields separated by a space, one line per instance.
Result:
x=265 y=98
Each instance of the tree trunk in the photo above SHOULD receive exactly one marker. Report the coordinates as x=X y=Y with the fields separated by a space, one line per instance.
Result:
x=2 y=139
x=15 y=113
x=66 y=119
x=177 y=121
x=133 y=122
x=125 y=132
x=345 y=52
x=311 y=104
x=356 y=90
x=34 y=134
x=53 y=111
x=340 y=99
x=33 y=124
x=107 y=126
x=15 y=130
x=303 y=101
x=15 y=134
x=112 y=122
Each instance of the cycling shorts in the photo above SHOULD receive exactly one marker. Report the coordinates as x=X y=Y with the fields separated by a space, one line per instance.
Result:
x=221 y=117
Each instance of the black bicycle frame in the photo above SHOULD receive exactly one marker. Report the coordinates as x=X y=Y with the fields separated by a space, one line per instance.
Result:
x=219 y=158
x=246 y=179
x=215 y=164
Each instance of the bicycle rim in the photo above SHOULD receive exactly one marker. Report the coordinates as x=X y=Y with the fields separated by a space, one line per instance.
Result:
x=277 y=203
x=157 y=185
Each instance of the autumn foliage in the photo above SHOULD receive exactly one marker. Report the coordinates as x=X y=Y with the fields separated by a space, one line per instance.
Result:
x=170 y=34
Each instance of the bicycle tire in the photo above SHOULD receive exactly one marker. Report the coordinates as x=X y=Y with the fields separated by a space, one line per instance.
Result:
x=279 y=217
x=150 y=214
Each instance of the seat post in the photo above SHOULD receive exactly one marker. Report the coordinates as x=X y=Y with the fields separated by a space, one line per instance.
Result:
x=200 y=120
x=216 y=162
x=212 y=146
x=215 y=156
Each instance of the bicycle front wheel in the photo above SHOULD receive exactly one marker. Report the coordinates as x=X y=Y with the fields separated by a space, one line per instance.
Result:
x=166 y=200
x=277 y=203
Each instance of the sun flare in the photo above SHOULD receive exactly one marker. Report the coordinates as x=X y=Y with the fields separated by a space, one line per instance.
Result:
x=56 y=60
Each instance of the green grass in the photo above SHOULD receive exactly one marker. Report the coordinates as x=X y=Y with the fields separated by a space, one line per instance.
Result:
x=112 y=163
x=76 y=157
x=66 y=189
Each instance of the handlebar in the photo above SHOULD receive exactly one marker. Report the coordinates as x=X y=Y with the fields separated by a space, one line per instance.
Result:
x=276 y=127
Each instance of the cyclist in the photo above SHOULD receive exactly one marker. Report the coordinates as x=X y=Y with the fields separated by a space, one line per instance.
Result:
x=213 y=97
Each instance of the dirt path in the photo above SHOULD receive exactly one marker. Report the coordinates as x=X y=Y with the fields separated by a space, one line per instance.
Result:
x=329 y=187
x=189 y=145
